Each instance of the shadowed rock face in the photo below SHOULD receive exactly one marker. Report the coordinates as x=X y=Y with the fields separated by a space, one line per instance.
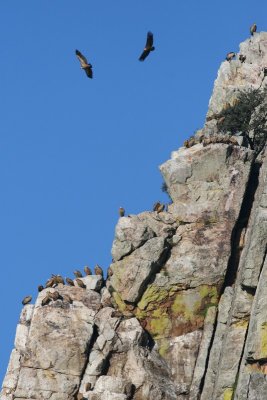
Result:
x=183 y=312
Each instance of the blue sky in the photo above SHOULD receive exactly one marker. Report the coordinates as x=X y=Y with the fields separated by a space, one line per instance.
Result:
x=72 y=150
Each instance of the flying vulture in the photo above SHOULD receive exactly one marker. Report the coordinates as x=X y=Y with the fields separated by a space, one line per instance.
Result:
x=84 y=64
x=148 y=48
x=253 y=29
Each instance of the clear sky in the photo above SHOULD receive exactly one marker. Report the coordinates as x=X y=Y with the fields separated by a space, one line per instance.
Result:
x=73 y=149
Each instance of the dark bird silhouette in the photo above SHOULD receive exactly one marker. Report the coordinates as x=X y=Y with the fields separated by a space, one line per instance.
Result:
x=26 y=300
x=242 y=58
x=69 y=281
x=80 y=283
x=87 y=270
x=148 y=47
x=230 y=56
x=40 y=288
x=84 y=64
x=78 y=273
x=98 y=270
x=253 y=29
x=121 y=212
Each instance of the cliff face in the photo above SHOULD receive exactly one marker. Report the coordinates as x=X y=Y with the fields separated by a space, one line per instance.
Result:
x=183 y=313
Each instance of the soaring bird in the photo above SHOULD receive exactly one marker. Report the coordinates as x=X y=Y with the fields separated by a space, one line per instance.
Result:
x=80 y=283
x=230 y=56
x=87 y=270
x=148 y=47
x=253 y=29
x=121 y=212
x=69 y=281
x=84 y=64
x=78 y=273
x=26 y=300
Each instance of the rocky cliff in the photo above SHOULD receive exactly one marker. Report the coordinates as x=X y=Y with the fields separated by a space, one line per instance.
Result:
x=183 y=312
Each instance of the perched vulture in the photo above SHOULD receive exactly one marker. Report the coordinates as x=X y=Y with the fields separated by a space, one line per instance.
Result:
x=242 y=58
x=253 y=29
x=230 y=56
x=69 y=281
x=121 y=212
x=148 y=48
x=87 y=270
x=84 y=64
x=80 y=283
x=78 y=273
x=26 y=300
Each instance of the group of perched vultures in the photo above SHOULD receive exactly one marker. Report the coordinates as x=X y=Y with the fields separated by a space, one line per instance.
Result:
x=242 y=58
x=55 y=280
x=88 y=68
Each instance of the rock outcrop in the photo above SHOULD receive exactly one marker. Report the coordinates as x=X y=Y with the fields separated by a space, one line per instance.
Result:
x=183 y=312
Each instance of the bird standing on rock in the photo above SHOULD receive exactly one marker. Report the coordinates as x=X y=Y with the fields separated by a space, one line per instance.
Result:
x=84 y=64
x=253 y=29
x=87 y=270
x=69 y=281
x=59 y=279
x=40 y=288
x=54 y=295
x=50 y=282
x=121 y=212
x=46 y=300
x=242 y=58
x=78 y=273
x=158 y=207
x=98 y=270
x=67 y=298
x=148 y=47
x=80 y=283
x=26 y=300
x=230 y=56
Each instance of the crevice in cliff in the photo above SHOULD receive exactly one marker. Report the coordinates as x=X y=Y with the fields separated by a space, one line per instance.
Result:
x=88 y=351
x=237 y=244
x=238 y=233
x=201 y=385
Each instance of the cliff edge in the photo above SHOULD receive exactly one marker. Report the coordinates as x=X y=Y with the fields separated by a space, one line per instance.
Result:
x=183 y=312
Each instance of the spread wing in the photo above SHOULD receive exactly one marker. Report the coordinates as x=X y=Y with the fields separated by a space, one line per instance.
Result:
x=81 y=58
x=89 y=71
x=149 y=45
x=144 y=55
x=149 y=40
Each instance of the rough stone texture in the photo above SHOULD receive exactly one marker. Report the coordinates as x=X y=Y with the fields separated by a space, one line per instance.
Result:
x=183 y=313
